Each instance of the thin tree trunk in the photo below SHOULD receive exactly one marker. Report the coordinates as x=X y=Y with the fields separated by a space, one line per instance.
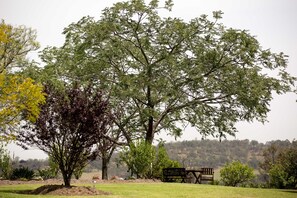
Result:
x=150 y=133
x=105 y=162
x=106 y=156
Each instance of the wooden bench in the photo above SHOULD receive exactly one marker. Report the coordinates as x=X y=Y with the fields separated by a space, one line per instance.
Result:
x=207 y=174
x=174 y=174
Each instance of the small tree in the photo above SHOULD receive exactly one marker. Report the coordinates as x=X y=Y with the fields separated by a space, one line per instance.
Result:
x=5 y=163
x=162 y=161
x=139 y=158
x=144 y=160
x=69 y=126
x=236 y=173
x=277 y=176
x=283 y=174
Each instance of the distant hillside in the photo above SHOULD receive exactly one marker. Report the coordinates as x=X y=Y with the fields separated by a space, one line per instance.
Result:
x=212 y=153
x=191 y=154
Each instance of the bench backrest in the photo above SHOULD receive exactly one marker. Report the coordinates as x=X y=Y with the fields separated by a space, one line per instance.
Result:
x=207 y=171
x=174 y=172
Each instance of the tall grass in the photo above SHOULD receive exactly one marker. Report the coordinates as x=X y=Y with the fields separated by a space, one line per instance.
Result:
x=159 y=190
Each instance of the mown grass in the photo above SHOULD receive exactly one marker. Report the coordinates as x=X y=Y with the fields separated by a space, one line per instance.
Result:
x=159 y=190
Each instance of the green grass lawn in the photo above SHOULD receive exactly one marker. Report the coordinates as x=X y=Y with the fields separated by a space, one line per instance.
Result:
x=159 y=190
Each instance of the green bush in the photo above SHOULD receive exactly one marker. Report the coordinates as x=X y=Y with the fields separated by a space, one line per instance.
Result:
x=5 y=163
x=235 y=173
x=161 y=161
x=280 y=178
x=138 y=158
x=282 y=168
x=145 y=161
x=47 y=173
x=22 y=173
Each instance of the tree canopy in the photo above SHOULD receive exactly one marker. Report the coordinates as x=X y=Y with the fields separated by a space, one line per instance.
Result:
x=20 y=97
x=15 y=44
x=164 y=73
x=70 y=124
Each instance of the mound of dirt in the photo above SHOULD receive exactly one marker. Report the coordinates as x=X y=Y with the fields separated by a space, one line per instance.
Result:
x=62 y=190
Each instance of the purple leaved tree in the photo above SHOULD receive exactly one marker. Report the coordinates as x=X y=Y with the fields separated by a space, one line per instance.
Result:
x=70 y=125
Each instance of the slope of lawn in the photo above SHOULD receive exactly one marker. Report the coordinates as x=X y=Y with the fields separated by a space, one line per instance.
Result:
x=158 y=190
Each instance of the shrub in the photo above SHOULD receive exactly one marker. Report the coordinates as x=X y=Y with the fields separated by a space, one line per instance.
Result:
x=47 y=173
x=139 y=158
x=277 y=176
x=282 y=169
x=5 y=163
x=22 y=173
x=162 y=161
x=236 y=173
x=145 y=161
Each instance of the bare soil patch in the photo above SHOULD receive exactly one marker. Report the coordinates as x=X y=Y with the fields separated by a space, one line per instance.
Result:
x=66 y=191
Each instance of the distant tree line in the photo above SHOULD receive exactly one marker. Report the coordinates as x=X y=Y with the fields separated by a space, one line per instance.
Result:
x=275 y=161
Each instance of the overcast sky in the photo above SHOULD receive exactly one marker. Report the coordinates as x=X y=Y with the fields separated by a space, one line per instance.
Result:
x=273 y=22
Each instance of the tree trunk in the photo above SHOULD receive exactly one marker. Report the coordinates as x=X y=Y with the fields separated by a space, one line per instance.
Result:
x=105 y=162
x=66 y=175
x=150 y=133
x=67 y=179
x=150 y=130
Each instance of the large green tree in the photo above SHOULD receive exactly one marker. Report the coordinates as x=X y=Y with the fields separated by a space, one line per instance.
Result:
x=163 y=72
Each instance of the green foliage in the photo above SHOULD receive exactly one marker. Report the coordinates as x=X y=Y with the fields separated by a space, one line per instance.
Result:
x=15 y=44
x=5 y=163
x=235 y=173
x=277 y=176
x=22 y=173
x=161 y=71
x=53 y=165
x=46 y=173
x=139 y=158
x=162 y=160
x=49 y=172
x=283 y=173
x=145 y=160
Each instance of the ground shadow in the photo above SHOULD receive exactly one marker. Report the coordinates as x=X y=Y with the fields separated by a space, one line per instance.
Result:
x=291 y=191
x=40 y=190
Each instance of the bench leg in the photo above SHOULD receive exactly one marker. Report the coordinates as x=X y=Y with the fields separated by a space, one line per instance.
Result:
x=198 y=180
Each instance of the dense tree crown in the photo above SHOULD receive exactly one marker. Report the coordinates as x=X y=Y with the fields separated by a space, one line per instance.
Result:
x=69 y=126
x=163 y=71
x=20 y=97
